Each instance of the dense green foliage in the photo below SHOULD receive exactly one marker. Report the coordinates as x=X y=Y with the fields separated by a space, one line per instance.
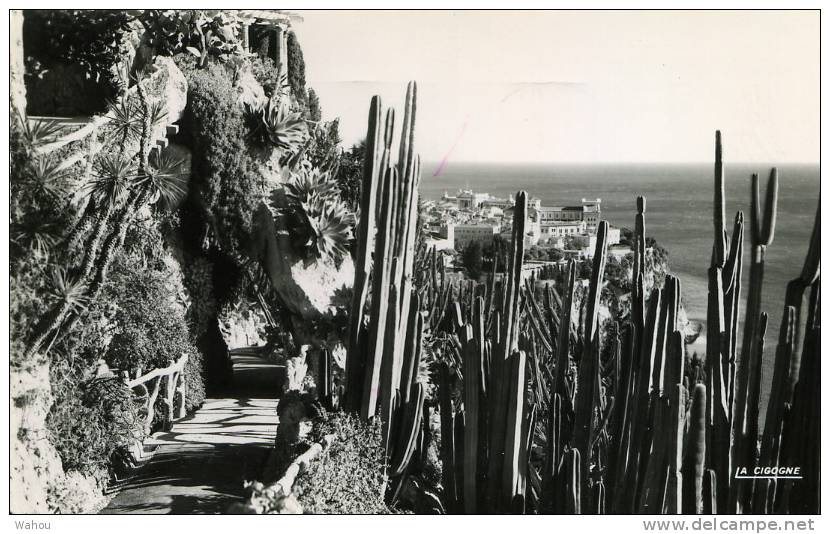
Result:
x=36 y=215
x=90 y=40
x=266 y=73
x=92 y=424
x=138 y=322
x=315 y=112
x=544 y=254
x=202 y=33
x=348 y=477
x=471 y=259
x=296 y=68
x=350 y=173
x=223 y=169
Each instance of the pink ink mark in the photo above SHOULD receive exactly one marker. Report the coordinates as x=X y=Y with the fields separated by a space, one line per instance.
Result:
x=446 y=158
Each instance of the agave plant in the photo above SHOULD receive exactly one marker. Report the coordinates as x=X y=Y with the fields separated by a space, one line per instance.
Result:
x=330 y=224
x=307 y=183
x=274 y=123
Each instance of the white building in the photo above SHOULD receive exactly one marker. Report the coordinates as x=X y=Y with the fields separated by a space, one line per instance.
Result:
x=463 y=234
x=470 y=200
x=553 y=230
x=501 y=203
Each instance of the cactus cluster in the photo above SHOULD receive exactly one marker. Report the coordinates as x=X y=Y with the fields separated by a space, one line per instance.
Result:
x=544 y=408
x=386 y=324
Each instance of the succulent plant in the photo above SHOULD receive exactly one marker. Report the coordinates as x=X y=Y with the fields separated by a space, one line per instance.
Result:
x=330 y=224
x=307 y=183
x=273 y=123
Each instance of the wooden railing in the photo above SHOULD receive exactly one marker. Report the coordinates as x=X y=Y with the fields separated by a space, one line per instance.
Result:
x=175 y=387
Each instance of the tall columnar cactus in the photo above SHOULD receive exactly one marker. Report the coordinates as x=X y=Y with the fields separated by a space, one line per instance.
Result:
x=385 y=339
x=719 y=204
x=588 y=377
x=695 y=454
x=745 y=427
x=356 y=356
x=507 y=344
x=629 y=428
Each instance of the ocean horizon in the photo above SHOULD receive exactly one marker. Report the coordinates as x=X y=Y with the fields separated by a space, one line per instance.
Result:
x=679 y=209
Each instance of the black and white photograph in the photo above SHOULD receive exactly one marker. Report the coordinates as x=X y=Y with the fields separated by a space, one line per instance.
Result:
x=406 y=261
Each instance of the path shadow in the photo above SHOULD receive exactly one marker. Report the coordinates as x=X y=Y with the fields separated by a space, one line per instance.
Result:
x=255 y=377
x=201 y=464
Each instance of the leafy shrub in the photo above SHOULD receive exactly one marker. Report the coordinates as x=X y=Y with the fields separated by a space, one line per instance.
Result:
x=201 y=33
x=348 y=478
x=150 y=331
x=350 y=174
x=194 y=380
x=91 y=422
x=267 y=74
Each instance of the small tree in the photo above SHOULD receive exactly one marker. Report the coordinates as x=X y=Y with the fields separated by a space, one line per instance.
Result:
x=471 y=259
x=315 y=113
x=296 y=67
x=350 y=174
x=495 y=251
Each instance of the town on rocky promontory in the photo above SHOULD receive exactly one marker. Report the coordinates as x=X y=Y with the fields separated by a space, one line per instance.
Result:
x=471 y=220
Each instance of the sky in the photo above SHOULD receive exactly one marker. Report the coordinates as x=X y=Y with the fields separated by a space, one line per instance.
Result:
x=584 y=86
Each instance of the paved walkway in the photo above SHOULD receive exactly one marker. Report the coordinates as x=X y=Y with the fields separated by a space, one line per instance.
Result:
x=200 y=465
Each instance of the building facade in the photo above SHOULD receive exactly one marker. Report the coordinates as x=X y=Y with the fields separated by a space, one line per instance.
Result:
x=553 y=230
x=462 y=235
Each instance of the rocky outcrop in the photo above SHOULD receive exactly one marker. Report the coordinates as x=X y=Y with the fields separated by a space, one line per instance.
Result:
x=17 y=67
x=305 y=288
x=38 y=482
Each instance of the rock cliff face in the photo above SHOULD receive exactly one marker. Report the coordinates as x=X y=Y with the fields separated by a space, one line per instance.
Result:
x=305 y=289
x=37 y=480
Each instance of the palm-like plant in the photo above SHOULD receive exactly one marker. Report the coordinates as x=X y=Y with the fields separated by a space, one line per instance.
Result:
x=48 y=177
x=39 y=132
x=68 y=290
x=36 y=235
x=157 y=112
x=113 y=176
x=164 y=180
x=124 y=121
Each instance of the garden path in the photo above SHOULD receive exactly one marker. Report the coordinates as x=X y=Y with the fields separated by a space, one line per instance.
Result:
x=199 y=466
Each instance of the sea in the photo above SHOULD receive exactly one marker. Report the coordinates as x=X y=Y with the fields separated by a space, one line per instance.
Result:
x=679 y=208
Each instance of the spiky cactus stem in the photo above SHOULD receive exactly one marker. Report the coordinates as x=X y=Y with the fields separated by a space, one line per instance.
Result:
x=719 y=204
x=695 y=456
x=507 y=343
x=588 y=377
